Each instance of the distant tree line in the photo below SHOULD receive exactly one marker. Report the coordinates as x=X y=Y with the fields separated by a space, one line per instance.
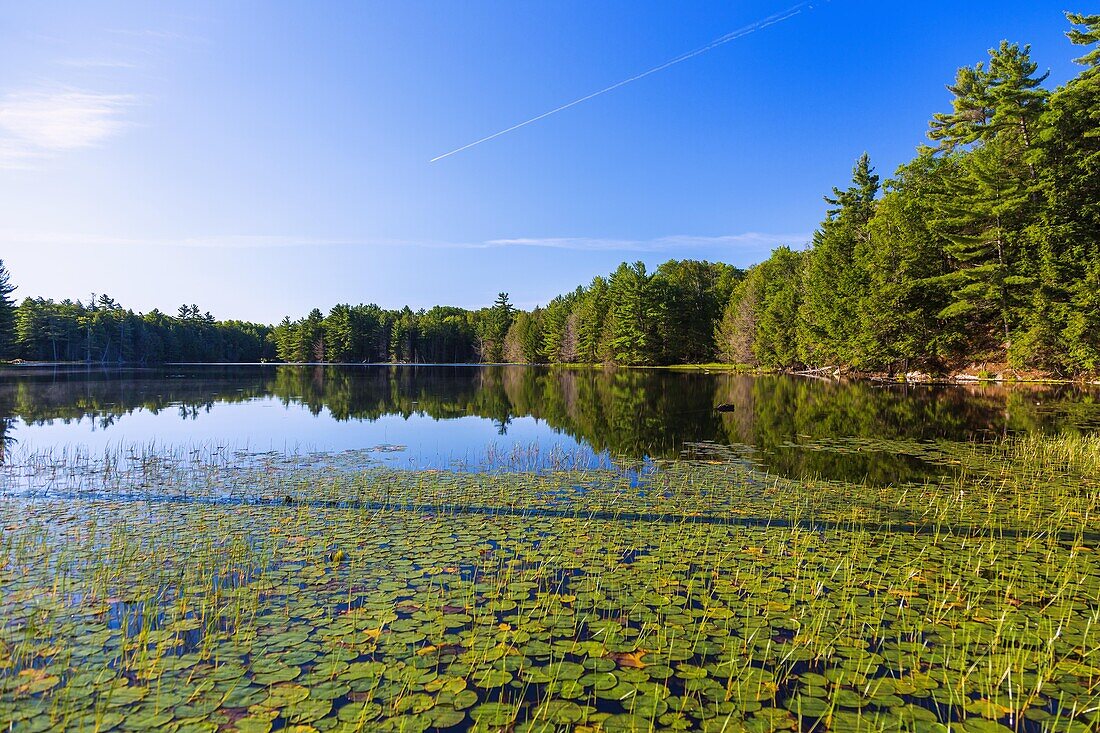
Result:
x=631 y=317
x=103 y=332
x=984 y=247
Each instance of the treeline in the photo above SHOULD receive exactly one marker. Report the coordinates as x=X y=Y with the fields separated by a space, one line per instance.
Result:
x=632 y=317
x=985 y=247
x=368 y=333
x=102 y=331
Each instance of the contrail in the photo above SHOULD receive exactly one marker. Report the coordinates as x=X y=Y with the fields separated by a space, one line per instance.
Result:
x=731 y=36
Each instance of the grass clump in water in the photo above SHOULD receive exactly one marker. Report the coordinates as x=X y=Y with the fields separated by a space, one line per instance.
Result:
x=701 y=595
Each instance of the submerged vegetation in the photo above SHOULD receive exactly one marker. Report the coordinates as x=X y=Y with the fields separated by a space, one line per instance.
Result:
x=216 y=591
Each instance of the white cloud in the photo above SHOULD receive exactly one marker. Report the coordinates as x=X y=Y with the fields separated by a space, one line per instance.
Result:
x=747 y=241
x=661 y=244
x=39 y=124
x=17 y=238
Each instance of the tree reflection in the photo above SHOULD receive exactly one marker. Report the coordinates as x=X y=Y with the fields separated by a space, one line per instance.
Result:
x=633 y=413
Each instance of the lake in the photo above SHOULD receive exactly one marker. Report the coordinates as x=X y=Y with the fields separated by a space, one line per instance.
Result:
x=480 y=416
x=510 y=549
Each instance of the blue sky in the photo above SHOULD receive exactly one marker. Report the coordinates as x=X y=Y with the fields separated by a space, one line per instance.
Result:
x=262 y=158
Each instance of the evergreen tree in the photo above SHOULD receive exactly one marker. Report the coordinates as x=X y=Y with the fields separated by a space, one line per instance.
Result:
x=590 y=318
x=900 y=328
x=834 y=282
x=1090 y=36
x=1017 y=96
x=524 y=341
x=971 y=113
x=497 y=322
x=776 y=322
x=857 y=202
x=555 y=329
x=403 y=337
x=631 y=316
x=980 y=215
x=7 y=314
x=690 y=296
x=311 y=338
x=1063 y=326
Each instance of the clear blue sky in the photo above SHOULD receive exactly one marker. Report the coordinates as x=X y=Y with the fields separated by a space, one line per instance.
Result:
x=262 y=158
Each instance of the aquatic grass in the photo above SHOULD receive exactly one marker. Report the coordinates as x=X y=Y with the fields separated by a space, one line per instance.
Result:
x=421 y=600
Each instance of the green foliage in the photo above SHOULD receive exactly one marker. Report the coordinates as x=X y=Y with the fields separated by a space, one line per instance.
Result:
x=525 y=339
x=691 y=296
x=971 y=110
x=776 y=342
x=494 y=328
x=901 y=258
x=1064 y=330
x=590 y=318
x=982 y=213
x=985 y=248
x=7 y=313
x=1090 y=36
x=633 y=314
x=834 y=280
x=102 y=331
x=559 y=330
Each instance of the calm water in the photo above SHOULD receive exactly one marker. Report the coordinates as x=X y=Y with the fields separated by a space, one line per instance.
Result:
x=444 y=416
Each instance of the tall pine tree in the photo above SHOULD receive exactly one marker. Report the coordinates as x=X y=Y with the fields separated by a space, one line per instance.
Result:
x=7 y=314
x=834 y=280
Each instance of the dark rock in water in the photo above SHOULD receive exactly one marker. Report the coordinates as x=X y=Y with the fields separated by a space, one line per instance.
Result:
x=724 y=407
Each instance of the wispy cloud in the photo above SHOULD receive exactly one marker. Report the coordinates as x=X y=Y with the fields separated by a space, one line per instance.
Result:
x=153 y=33
x=749 y=241
x=661 y=244
x=15 y=238
x=96 y=63
x=40 y=124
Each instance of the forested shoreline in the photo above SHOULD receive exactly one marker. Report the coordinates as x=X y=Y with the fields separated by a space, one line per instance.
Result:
x=983 y=248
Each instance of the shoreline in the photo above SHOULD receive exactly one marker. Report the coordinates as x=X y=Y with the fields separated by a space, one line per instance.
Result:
x=970 y=376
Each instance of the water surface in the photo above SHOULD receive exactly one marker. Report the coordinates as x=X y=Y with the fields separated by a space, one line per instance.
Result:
x=448 y=416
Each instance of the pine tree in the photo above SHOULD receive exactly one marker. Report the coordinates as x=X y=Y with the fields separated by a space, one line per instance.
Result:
x=690 y=295
x=1090 y=36
x=903 y=259
x=857 y=202
x=555 y=326
x=311 y=342
x=1063 y=330
x=979 y=215
x=775 y=342
x=7 y=314
x=339 y=336
x=1017 y=95
x=834 y=282
x=590 y=316
x=631 y=316
x=497 y=323
x=972 y=110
